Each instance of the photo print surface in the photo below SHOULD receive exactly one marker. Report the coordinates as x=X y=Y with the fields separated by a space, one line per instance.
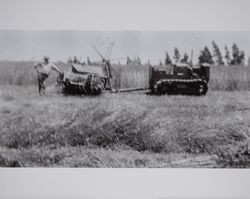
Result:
x=153 y=99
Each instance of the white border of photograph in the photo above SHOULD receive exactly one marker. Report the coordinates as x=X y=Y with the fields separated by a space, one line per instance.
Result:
x=93 y=183
x=182 y=15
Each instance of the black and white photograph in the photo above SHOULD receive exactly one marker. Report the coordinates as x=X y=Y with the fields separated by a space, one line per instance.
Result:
x=115 y=99
x=125 y=99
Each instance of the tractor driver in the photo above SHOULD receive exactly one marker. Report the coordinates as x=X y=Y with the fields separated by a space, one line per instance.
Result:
x=43 y=69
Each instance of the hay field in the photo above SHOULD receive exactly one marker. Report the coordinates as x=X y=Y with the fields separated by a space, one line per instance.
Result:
x=230 y=78
x=224 y=78
x=123 y=130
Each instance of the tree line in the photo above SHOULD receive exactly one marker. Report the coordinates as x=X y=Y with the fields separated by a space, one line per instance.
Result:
x=216 y=57
x=236 y=57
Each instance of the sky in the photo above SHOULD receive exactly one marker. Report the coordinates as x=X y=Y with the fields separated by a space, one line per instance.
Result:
x=148 y=45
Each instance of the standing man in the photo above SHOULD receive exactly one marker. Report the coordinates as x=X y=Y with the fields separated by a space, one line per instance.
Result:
x=43 y=70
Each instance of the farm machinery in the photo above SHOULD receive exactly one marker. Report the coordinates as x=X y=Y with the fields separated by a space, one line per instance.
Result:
x=182 y=79
x=95 y=79
x=86 y=79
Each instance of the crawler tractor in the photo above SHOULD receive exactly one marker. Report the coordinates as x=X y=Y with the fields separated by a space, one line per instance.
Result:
x=181 y=79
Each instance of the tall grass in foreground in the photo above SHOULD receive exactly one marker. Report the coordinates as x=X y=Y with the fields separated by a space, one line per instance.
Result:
x=228 y=78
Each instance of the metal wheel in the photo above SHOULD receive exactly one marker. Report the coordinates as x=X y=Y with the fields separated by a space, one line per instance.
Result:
x=202 y=88
x=163 y=87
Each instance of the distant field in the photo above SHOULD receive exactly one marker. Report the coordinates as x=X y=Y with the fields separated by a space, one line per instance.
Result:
x=124 y=130
x=22 y=73
x=228 y=78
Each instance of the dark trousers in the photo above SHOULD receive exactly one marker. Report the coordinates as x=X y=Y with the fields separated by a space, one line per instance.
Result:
x=41 y=78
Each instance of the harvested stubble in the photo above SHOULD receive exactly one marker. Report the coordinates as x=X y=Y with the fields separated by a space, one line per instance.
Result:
x=211 y=127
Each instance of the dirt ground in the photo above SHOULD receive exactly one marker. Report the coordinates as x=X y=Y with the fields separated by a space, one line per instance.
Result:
x=123 y=130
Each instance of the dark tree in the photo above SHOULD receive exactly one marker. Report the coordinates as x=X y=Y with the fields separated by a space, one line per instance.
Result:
x=217 y=54
x=205 y=56
x=185 y=58
x=168 y=60
x=242 y=58
x=238 y=56
x=248 y=63
x=128 y=60
x=138 y=60
x=235 y=53
x=176 y=54
x=75 y=60
x=227 y=56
